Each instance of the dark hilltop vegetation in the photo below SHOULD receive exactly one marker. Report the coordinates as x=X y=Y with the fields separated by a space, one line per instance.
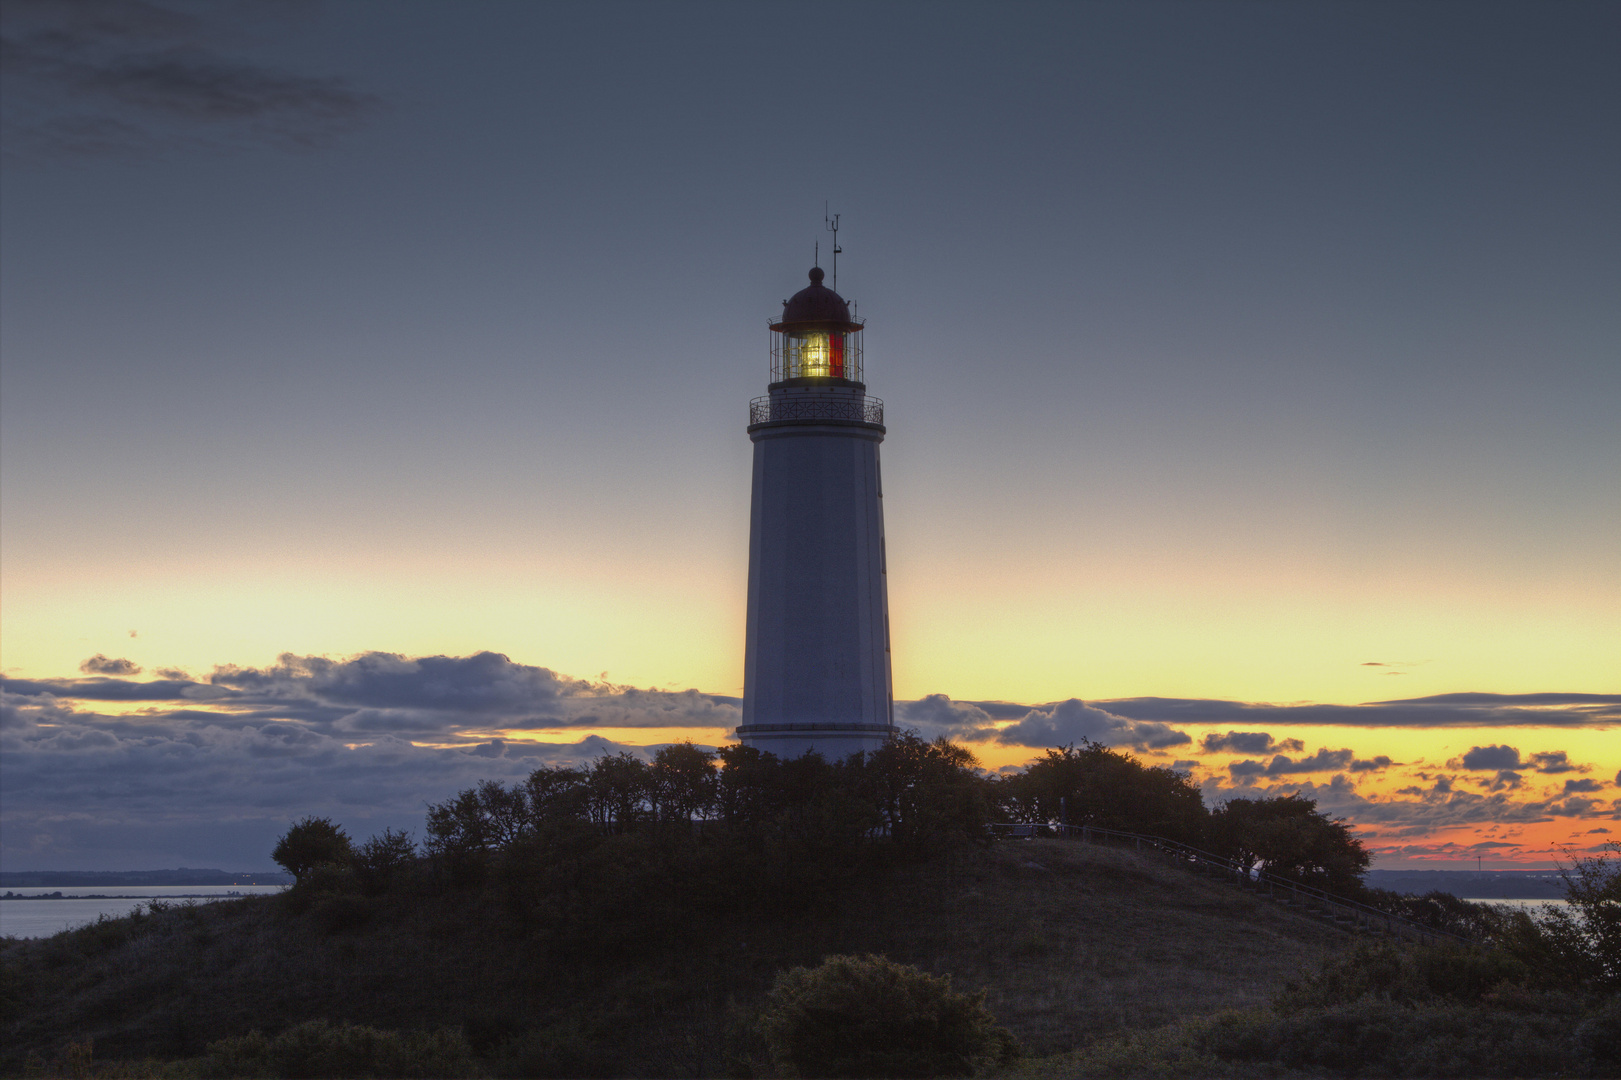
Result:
x=736 y=915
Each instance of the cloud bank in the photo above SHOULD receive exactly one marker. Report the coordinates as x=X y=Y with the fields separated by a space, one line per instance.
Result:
x=116 y=769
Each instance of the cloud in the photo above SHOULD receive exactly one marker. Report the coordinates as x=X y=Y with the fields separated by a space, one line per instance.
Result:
x=1375 y=764
x=1071 y=721
x=133 y=76
x=101 y=665
x=1583 y=786
x=1491 y=757
x=442 y=697
x=1322 y=761
x=1439 y=711
x=1246 y=742
x=1554 y=761
x=1505 y=779
x=937 y=714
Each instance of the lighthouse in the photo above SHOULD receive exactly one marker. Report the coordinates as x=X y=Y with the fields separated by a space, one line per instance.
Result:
x=816 y=666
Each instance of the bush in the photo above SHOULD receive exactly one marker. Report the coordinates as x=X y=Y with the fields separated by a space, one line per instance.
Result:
x=870 y=1017
x=317 y=1048
x=313 y=842
x=382 y=859
x=1407 y=975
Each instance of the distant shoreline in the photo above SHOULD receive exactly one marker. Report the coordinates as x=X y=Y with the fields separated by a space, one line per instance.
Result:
x=179 y=878
x=125 y=896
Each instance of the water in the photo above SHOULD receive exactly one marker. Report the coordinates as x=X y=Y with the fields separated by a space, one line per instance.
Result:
x=42 y=918
x=1529 y=905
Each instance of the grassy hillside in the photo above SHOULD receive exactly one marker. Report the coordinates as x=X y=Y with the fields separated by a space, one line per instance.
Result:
x=1070 y=942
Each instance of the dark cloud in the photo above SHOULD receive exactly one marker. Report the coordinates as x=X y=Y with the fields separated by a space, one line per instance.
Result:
x=1071 y=721
x=1491 y=757
x=1572 y=786
x=1442 y=710
x=101 y=665
x=1322 y=761
x=384 y=693
x=1182 y=765
x=126 y=76
x=937 y=714
x=1553 y=761
x=70 y=780
x=1506 y=779
x=1246 y=742
x=1375 y=764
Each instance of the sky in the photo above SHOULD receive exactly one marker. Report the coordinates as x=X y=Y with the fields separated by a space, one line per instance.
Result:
x=373 y=384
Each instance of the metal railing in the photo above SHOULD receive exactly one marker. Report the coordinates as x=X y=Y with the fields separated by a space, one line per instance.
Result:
x=1338 y=908
x=868 y=410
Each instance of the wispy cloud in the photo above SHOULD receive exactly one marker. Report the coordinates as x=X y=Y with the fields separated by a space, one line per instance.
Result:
x=104 y=77
x=1438 y=711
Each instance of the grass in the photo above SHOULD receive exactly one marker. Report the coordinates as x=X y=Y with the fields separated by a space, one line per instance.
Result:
x=1071 y=942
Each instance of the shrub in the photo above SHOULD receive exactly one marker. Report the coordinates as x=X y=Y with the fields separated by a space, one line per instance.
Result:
x=867 y=1016
x=318 y=1048
x=562 y=1050
x=382 y=859
x=313 y=842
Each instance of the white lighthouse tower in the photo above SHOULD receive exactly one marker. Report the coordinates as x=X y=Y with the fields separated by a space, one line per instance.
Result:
x=816 y=670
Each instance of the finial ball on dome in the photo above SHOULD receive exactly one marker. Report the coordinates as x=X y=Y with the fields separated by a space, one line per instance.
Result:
x=816 y=275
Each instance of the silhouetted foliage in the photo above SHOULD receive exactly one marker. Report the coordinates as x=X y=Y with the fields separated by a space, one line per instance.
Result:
x=866 y=1016
x=317 y=1048
x=380 y=861
x=1593 y=888
x=311 y=843
x=1109 y=789
x=1288 y=837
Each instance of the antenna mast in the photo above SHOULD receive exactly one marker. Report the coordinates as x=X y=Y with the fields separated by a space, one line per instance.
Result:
x=832 y=224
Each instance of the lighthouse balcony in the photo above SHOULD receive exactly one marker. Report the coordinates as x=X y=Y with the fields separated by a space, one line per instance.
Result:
x=855 y=407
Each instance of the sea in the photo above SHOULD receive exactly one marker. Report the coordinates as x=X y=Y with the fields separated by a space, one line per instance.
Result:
x=31 y=912
x=1529 y=905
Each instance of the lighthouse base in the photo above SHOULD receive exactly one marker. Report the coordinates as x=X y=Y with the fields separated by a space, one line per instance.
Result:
x=833 y=741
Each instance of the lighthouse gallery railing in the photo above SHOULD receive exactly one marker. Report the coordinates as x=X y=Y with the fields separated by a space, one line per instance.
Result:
x=868 y=410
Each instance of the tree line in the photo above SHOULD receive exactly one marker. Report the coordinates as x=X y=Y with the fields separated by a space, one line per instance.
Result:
x=910 y=798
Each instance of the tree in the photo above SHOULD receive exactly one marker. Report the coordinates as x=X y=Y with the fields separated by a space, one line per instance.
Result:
x=478 y=820
x=1593 y=889
x=866 y=1016
x=556 y=794
x=619 y=789
x=1109 y=789
x=380 y=860
x=311 y=843
x=930 y=793
x=1287 y=836
x=682 y=778
x=746 y=789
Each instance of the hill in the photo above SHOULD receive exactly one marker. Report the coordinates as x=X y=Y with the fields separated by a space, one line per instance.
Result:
x=1069 y=942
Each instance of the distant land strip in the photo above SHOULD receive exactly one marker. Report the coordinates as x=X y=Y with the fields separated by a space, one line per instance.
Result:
x=1471 y=884
x=80 y=879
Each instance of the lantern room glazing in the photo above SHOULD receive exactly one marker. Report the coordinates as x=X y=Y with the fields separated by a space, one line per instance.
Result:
x=816 y=338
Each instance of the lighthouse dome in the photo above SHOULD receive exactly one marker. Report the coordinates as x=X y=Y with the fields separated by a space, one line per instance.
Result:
x=816 y=303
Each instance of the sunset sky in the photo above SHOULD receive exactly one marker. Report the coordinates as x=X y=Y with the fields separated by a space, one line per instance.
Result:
x=375 y=380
